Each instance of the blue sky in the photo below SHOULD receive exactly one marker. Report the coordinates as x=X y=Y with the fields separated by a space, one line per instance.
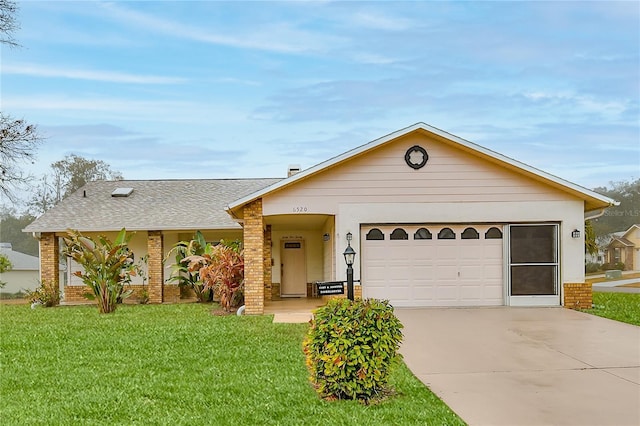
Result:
x=243 y=89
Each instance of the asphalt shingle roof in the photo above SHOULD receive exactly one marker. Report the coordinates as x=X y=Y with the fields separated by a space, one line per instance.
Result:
x=153 y=205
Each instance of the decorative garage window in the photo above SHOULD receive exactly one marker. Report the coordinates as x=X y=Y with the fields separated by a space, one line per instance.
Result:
x=493 y=233
x=422 y=234
x=446 y=234
x=375 y=234
x=470 y=234
x=399 y=234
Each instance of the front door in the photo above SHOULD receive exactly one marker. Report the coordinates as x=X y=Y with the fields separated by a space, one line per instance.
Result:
x=533 y=265
x=294 y=270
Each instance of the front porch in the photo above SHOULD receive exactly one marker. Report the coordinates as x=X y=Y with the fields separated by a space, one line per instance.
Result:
x=298 y=310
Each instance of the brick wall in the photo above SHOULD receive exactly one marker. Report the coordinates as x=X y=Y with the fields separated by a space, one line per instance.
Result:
x=357 y=293
x=275 y=291
x=49 y=259
x=171 y=293
x=254 y=258
x=156 y=271
x=267 y=263
x=75 y=293
x=578 y=295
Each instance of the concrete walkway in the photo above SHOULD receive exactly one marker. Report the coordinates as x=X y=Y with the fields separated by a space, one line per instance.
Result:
x=615 y=286
x=526 y=366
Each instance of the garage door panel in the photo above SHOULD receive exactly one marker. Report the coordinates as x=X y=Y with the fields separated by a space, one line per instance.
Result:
x=433 y=272
x=446 y=272
x=471 y=293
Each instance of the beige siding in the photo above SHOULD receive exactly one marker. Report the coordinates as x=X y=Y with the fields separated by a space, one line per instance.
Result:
x=139 y=247
x=382 y=176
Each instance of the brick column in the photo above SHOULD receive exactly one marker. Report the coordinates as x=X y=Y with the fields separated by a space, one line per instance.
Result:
x=50 y=259
x=267 y=262
x=156 y=270
x=578 y=295
x=254 y=258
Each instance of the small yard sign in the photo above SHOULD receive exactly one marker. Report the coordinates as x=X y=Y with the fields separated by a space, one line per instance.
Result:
x=329 y=288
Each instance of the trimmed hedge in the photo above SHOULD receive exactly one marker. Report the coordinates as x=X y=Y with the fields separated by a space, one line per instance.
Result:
x=351 y=348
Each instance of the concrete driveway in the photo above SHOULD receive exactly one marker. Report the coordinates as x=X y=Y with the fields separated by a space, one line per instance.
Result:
x=526 y=366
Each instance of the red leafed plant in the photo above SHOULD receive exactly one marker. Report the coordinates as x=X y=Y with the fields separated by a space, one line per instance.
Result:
x=222 y=271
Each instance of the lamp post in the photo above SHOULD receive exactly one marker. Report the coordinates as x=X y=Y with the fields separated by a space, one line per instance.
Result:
x=349 y=257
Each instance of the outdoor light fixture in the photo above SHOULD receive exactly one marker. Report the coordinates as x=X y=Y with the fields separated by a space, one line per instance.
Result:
x=349 y=253
x=575 y=234
x=349 y=257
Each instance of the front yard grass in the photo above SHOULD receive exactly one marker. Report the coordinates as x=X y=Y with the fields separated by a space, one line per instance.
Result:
x=623 y=307
x=178 y=365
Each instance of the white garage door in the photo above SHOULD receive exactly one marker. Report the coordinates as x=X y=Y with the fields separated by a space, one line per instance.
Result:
x=433 y=265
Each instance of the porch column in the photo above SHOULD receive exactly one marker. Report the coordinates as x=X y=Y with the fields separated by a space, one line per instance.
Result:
x=156 y=271
x=254 y=258
x=50 y=259
x=267 y=262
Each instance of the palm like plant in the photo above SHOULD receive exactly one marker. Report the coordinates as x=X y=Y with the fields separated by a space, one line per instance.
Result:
x=107 y=266
x=181 y=273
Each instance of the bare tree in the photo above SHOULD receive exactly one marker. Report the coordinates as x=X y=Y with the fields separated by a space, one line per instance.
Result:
x=8 y=22
x=18 y=143
x=18 y=139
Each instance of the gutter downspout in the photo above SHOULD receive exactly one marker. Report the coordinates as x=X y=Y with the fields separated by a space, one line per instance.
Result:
x=594 y=214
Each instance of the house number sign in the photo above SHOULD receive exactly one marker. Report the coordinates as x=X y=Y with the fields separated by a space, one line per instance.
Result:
x=416 y=157
x=300 y=209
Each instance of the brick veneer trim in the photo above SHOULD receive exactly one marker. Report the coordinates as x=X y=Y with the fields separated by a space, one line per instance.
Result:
x=578 y=295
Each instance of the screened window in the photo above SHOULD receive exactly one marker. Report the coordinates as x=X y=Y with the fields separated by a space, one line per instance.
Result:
x=493 y=233
x=470 y=234
x=375 y=234
x=399 y=234
x=446 y=234
x=422 y=234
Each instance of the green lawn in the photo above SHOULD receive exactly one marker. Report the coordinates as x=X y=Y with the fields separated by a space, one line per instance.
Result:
x=175 y=364
x=623 y=307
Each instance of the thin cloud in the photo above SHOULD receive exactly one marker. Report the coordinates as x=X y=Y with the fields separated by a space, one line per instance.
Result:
x=376 y=21
x=48 y=71
x=274 y=37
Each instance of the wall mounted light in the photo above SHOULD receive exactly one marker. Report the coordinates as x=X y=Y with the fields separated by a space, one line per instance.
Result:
x=575 y=234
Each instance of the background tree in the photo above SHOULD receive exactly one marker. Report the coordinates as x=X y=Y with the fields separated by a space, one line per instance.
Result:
x=73 y=172
x=67 y=176
x=18 y=144
x=5 y=265
x=590 y=242
x=619 y=218
x=11 y=226
x=8 y=22
x=18 y=139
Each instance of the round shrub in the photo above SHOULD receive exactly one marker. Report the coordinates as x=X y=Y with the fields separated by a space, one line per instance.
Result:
x=351 y=347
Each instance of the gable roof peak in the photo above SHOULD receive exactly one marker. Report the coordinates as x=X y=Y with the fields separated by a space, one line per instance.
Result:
x=593 y=200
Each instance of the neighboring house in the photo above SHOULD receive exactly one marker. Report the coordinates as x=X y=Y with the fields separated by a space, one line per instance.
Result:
x=625 y=247
x=436 y=221
x=24 y=273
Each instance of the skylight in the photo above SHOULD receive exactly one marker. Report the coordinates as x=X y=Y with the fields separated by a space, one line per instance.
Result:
x=122 y=192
